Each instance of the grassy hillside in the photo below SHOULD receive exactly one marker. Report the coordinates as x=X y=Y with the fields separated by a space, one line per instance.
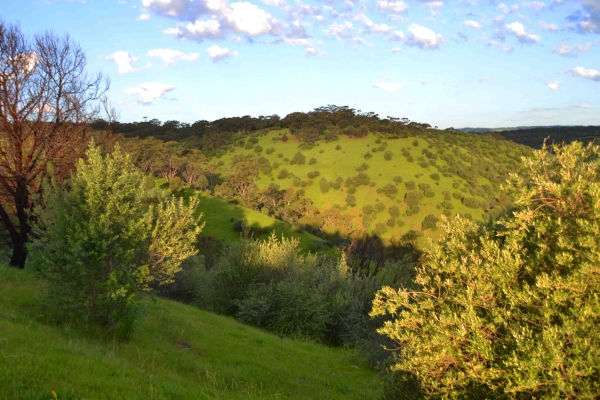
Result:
x=451 y=165
x=180 y=353
x=219 y=216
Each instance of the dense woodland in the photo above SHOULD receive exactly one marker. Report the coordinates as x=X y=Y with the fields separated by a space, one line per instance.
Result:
x=460 y=265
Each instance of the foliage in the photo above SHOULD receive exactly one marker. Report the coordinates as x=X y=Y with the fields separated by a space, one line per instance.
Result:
x=510 y=309
x=106 y=237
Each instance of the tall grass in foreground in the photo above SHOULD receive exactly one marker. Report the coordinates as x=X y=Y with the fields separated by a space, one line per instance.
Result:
x=180 y=353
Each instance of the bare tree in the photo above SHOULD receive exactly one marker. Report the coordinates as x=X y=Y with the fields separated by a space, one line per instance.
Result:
x=47 y=100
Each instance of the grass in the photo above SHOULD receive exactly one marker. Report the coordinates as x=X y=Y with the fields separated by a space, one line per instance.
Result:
x=333 y=163
x=180 y=353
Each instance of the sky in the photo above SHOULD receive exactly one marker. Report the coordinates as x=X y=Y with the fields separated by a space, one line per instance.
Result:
x=449 y=63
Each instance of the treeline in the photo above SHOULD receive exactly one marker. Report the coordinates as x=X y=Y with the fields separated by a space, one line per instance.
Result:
x=321 y=123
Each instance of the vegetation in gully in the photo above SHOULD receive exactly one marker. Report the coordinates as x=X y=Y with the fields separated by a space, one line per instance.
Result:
x=327 y=254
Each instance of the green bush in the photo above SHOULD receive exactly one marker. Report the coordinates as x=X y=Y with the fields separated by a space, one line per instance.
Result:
x=410 y=185
x=106 y=237
x=283 y=174
x=412 y=198
x=338 y=147
x=388 y=155
x=391 y=222
x=398 y=179
x=471 y=202
x=415 y=143
x=351 y=200
x=324 y=185
x=390 y=190
x=363 y=167
x=313 y=174
x=368 y=209
x=394 y=211
x=429 y=193
x=258 y=149
x=514 y=305
x=367 y=155
x=379 y=207
x=430 y=222
x=312 y=161
x=435 y=176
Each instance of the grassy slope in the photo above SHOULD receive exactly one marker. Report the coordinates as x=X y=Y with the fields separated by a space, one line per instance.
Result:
x=218 y=215
x=224 y=360
x=332 y=163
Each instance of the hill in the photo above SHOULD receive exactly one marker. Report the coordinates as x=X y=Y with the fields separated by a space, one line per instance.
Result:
x=387 y=185
x=181 y=353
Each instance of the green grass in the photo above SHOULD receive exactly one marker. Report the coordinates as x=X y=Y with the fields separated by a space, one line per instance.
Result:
x=332 y=163
x=219 y=216
x=180 y=353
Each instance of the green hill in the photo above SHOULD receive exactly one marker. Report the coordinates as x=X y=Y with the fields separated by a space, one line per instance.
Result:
x=456 y=172
x=181 y=352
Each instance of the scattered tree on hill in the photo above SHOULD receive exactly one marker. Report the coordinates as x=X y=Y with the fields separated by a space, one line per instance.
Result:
x=47 y=100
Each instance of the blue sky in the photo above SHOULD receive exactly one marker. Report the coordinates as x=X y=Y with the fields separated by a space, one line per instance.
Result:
x=447 y=63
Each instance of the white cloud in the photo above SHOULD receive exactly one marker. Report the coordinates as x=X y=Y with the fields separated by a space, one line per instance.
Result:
x=341 y=32
x=423 y=37
x=547 y=26
x=508 y=9
x=398 y=36
x=584 y=105
x=537 y=6
x=566 y=50
x=499 y=45
x=472 y=24
x=219 y=53
x=248 y=19
x=143 y=17
x=397 y=50
x=484 y=79
x=170 y=56
x=149 y=91
x=554 y=85
x=518 y=29
x=312 y=51
x=389 y=87
x=394 y=6
x=424 y=83
x=586 y=73
x=123 y=60
x=199 y=30
x=372 y=26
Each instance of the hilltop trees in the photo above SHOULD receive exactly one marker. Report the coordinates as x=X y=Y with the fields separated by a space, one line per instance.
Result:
x=511 y=309
x=47 y=100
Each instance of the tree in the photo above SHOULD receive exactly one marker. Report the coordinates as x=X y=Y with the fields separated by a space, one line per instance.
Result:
x=47 y=100
x=106 y=237
x=510 y=309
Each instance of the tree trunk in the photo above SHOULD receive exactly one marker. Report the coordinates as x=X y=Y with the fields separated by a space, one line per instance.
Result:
x=19 y=255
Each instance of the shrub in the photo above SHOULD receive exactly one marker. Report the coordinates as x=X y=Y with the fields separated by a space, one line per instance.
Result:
x=410 y=185
x=424 y=186
x=429 y=193
x=367 y=155
x=410 y=159
x=471 y=202
x=388 y=155
x=351 y=200
x=430 y=222
x=368 y=209
x=249 y=146
x=323 y=185
x=351 y=190
x=312 y=161
x=389 y=190
x=380 y=228
x=106 y=238
x=338 y=147
x=283 y=174
x=398 y=179
x=258 y=149
x=380 y=207
x=363 y=167
x=296 y=181
x=503 y=300
x=412 y=198
x=435 y=176
x=270 y=150
x=394 y=211
x=447 y=204
x=313 y=174
x=391 y=222
x=415 y=143
x=400 y=223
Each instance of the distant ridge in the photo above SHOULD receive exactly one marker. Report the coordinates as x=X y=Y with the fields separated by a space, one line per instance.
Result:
x=534 y=136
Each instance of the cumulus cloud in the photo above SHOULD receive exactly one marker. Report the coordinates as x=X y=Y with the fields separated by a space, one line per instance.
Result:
x=472 y=24
x=554 y=85
x=389 y=87
x=571 y=51
x=547 y=26
x=239 y=17
x=341 y=32
x=423 y=37
x=586 y=73
x=170 y=56
x=123 y=60
x=518 y=29
x=149 y=91
x=397 y=6
x=143 y=17
x=217 y=53
x=372 y=26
